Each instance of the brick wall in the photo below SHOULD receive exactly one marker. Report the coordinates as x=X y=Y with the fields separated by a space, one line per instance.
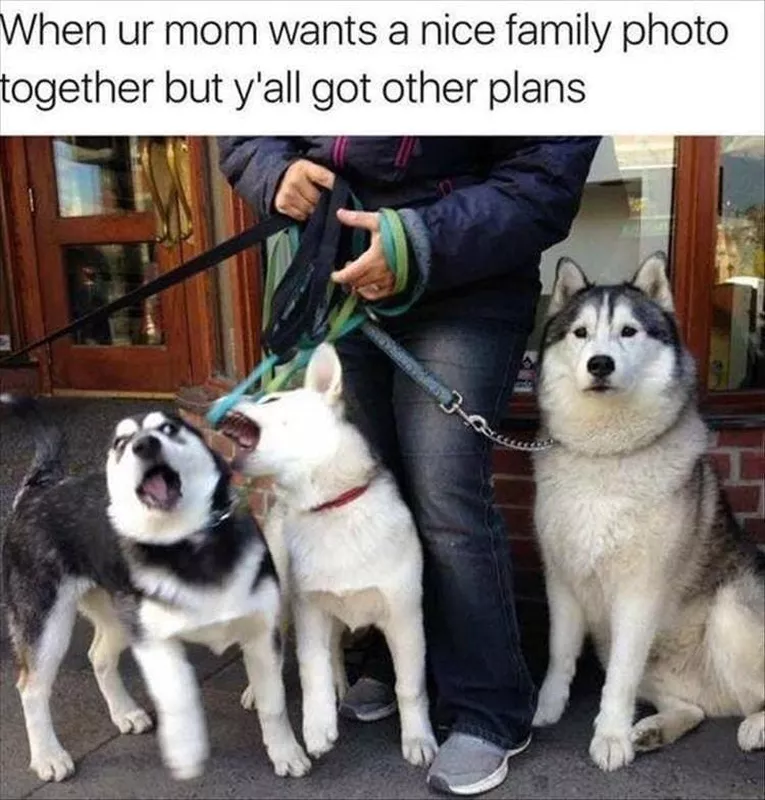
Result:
x=738 y=455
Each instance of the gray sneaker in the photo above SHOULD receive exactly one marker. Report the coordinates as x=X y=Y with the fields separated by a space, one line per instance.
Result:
x=368 y=700
x=466 y=765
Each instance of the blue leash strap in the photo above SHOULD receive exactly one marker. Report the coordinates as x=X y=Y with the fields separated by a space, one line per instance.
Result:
x=409 y=365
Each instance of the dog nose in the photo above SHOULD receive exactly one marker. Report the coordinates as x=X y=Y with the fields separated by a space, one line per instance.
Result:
x=146 y=447
x=601 y=366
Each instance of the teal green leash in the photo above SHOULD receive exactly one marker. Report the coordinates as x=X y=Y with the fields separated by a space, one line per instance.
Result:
x=345 y=317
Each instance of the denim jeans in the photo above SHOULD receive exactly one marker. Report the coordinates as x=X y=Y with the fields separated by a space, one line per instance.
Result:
x=475 y=664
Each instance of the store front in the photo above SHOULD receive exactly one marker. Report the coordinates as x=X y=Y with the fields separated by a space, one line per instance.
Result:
x=85 y=219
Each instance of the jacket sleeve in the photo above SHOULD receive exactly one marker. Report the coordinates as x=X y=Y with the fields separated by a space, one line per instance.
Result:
x=254 y=165
x=503 y=225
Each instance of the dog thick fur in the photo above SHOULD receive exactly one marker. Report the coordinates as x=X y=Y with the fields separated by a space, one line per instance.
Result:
x=153 y=552
x=640 y=548
x=354 y=563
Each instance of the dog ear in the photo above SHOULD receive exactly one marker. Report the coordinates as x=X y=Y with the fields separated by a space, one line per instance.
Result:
x=324 y=373
x=569 y=279
x=652 y=279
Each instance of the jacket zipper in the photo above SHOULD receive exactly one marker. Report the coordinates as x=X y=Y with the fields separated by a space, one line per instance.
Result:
x=405 y=150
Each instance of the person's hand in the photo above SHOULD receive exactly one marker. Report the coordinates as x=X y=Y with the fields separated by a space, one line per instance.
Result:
x=298 y=191
x=369 y=275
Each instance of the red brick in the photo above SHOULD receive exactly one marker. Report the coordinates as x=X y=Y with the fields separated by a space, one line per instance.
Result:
x=525 y=554
x=511 y=462
x=222 y=445
x=514 y=491
x=744 y=499
x=750 y=438
x=756 y=529
x=721 y=463
x=258 y=505
x=194 y=419
x=752 y=465
x=520 y=522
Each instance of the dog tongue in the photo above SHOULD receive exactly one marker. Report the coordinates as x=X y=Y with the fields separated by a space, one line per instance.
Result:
x=156 y=487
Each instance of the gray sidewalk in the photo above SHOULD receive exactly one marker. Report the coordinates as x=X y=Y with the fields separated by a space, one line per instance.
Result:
x=366 y=763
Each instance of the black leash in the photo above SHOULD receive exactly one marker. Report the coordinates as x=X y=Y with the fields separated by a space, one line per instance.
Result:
x=230 y=247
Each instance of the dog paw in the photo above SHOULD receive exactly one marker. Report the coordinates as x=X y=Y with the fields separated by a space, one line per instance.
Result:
x=419 y=750
x=751 y=732
x=611 y=751
x=54 y=765
x=289 y=759
x=647 y=734
x=187 y=760
x=551 y=705
x=134 y=721
x=248 y=699
x=187 y=772
x=320 y=737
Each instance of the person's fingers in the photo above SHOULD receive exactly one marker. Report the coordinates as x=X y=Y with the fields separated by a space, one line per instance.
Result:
x=294 y=205
x=309 y=193
x=353 y=271
x=379 y=276
x=368 y=220
x=319 y=175
x=377 y=291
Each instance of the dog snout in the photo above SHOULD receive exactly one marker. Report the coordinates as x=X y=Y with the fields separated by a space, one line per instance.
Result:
x=147 y=447
x=601 y=366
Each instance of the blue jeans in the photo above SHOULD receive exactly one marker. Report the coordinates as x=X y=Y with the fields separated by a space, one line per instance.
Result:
x=476 y=667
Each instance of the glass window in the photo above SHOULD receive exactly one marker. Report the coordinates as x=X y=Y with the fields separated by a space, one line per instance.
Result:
x=99 y=274
x=737 y=343
x=99 y=175
x=625 y=215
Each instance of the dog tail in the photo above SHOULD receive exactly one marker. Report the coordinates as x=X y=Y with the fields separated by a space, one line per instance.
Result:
x=47 y=465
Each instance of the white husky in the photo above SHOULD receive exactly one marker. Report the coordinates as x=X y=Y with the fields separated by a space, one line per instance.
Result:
x=640 y=548
x=351 y=545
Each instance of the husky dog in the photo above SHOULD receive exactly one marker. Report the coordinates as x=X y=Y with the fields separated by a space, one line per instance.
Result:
x=153 y=552
x=640 y=547
x=352 y=548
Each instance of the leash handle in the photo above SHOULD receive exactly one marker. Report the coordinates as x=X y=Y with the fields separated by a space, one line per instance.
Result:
x=226 y=249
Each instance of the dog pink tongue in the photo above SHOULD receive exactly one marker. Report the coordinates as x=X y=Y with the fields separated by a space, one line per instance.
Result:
x=156 y=487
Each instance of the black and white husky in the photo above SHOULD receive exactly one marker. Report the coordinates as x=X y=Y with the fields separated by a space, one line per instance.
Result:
x=639 y=546
x=153 y=552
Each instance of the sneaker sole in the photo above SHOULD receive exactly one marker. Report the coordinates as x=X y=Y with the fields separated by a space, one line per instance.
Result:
x=369 y=716
x=485 y=784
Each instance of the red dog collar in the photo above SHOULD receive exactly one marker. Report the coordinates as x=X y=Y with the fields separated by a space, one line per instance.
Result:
x=342 y=499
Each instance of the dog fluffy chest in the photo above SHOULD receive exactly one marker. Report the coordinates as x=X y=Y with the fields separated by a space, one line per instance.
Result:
x=356 y=552
x=355 y=609
x=207 y=615
x=588 y=510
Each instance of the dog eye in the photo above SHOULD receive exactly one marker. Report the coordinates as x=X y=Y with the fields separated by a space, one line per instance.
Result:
x=169 y=429
x=120 y=442
x=267 y=400
x=580 y=333
x=628 y=331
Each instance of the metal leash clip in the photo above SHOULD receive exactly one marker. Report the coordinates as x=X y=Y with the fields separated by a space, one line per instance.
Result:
x=481 y=426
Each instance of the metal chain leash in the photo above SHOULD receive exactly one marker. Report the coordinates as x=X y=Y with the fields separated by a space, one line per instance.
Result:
x=481 y=426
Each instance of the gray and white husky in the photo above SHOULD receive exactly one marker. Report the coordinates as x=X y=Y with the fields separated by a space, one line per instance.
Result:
x=153 y=552
x=639 y=545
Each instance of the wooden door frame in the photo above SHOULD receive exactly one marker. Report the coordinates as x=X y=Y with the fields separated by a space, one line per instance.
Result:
x=22 y=251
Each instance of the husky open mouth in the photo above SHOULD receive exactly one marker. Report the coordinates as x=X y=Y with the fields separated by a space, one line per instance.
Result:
x=242 y=431
x=160 y=488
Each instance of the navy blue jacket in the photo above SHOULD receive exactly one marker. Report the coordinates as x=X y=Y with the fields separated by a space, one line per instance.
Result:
x=488 y=206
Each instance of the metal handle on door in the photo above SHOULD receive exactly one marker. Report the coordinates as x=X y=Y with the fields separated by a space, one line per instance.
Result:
x=163 y=211
x=185 y=218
